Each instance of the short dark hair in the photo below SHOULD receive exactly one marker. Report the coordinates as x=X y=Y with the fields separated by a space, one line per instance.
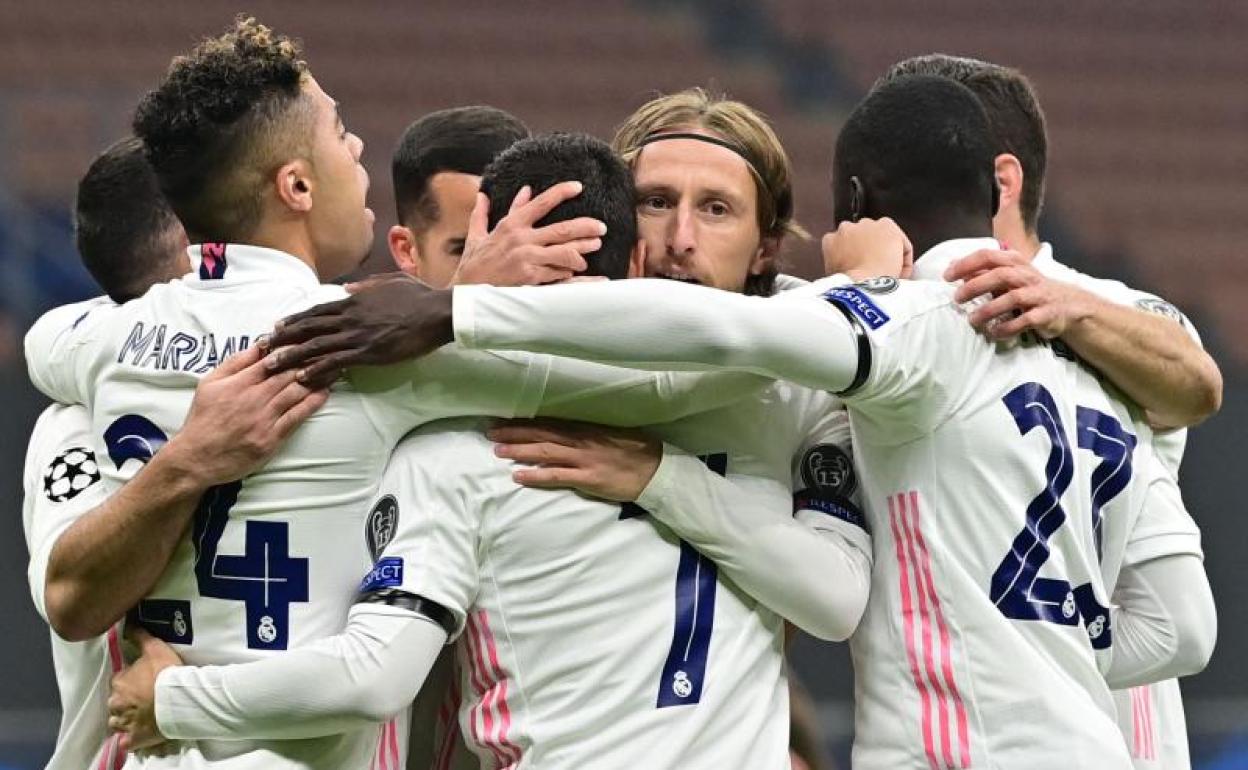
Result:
x=1013 y=110
x=922 y=147
x=542 y=162
x=123 y=227
x=223 y=119
x=461 y=139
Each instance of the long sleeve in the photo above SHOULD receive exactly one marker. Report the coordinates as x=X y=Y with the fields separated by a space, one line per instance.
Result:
x=362 y=676
x=660 y=324
x=1165 y=623
x=817 y=579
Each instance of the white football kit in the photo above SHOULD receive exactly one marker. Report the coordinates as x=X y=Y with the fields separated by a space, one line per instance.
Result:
x=272 y=561
x=1150 y=716
x=592 y=637
x=60 y=483
x=993 y=477
x=591 y=634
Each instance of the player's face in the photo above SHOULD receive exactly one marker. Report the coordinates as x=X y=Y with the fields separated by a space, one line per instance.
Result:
x=341 y=224
x=439 y=245
x=697 y=213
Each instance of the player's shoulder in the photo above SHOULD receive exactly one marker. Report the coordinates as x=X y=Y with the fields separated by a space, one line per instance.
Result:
x=884 y=302
x=1111 y=289
x=58 y=427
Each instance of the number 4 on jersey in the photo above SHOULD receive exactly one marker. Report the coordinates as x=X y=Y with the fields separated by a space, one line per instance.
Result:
x=264 y=577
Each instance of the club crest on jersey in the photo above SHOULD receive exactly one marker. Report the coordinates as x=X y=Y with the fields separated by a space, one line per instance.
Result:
x=828 y=470
x=212 y=262
x=856 y=301
x=1160 y=307
x=71 y=472
x=681 y=686
x=882 y=284
x=381 y=525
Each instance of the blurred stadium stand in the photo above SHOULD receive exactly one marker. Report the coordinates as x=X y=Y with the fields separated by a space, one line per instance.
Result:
x=1149 y=181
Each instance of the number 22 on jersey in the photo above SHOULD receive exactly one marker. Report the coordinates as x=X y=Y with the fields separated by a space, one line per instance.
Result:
x=264 y=577
x=1016 y=587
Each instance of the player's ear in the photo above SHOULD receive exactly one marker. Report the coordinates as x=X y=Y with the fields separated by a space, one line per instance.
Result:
x=857 y=199
x=294 y=185
x=404 y=249
x=637 y=260
x=765 y=257
x=1008 y=172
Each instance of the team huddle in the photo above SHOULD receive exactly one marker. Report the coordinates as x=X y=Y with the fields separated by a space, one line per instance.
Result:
x=557 y=493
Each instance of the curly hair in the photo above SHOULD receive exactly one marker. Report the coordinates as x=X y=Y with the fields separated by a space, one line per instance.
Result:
x=225 y=117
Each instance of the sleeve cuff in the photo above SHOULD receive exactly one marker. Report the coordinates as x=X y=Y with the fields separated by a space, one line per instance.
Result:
x=174 y=717
x=463 y=314
x=675 y=463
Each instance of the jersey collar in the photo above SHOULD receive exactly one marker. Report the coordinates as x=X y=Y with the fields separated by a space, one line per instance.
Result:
x=215 y=263
x=931 y=266
x=1044 y=256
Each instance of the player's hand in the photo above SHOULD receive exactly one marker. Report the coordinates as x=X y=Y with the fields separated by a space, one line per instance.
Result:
x=1023 y=299
x=868 y=248
x=239 y=418
x=132 y=703
x=607 y=463
x=517 y=252
x=386 y=319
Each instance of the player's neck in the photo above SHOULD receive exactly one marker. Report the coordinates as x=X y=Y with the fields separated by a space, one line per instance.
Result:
x=1013 y=235
x=295 y=241
x=926 y=234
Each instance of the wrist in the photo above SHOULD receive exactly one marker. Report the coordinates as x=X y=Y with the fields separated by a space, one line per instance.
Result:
x=432 y=319
x=178 y=471
x=1082 y=308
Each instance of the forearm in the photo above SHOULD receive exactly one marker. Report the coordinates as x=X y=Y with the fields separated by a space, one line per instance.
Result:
x=105 y=562
x=1150 y=358
x=816 y=580
x=360 y=677
x=1165 y=624
x=657 y=324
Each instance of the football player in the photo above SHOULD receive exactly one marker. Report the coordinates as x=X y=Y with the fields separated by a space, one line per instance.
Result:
x=987 y=634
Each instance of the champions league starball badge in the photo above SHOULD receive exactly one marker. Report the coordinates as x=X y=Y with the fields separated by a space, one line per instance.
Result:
x=69 y=474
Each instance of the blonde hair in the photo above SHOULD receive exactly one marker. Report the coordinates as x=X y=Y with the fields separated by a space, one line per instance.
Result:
x=741 y=126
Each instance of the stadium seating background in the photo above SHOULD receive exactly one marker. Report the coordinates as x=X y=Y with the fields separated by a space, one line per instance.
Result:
x=1148 y=181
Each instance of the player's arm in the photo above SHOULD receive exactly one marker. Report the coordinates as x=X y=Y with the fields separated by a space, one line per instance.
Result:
x=108 y=559
x=1148 y=355
x=1164 y=621
x=816 y=577
x=410 y=603
x=362 y=676
x=455 y=382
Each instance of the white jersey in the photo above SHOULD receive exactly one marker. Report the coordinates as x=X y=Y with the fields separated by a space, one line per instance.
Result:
x=1151 y=717
x=272 y=561
x=60 y=483
x=588 y=634
x=993 y=478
